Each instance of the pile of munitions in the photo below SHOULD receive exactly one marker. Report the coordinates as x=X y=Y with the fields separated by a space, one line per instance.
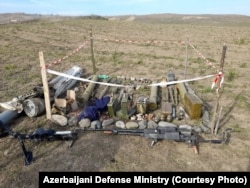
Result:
x=139 y=106
x=89 y=105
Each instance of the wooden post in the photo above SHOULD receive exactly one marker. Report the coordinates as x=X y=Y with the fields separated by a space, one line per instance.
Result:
x=186 y=61
x=218 y=122
x=45 y=85
x=216 y=114
x=223 y=57
x=92 y=51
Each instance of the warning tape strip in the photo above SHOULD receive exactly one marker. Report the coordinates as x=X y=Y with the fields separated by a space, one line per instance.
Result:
x=180 y=81
x=203 y=57
x=119 y=85
x=113 y=40
x=70 y=54
x=141 y=42
x=83 y=79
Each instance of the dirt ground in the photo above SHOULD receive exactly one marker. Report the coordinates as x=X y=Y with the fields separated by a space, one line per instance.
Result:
x=20 y=44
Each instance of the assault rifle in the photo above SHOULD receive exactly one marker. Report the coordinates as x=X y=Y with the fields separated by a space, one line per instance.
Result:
x=169 y=133
x=39 y=135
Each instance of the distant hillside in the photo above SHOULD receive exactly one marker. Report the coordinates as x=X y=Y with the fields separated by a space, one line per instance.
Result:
x=206 y=19
x=22 y=17
x=18 y=17
x=187 y=19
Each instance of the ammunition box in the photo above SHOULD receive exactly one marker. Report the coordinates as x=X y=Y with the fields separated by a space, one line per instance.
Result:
x=193 y=105
x=124 y=104
x=182 y=91
x=166 y=108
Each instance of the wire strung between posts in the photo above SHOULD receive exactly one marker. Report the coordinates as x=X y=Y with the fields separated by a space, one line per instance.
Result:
x=70 y=54
x=203 y=57
x=147 y=42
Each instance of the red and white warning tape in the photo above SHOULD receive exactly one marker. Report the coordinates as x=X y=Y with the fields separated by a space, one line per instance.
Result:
x=152 y=42
x=218 y=79
x=70 y=54
x=203 y=57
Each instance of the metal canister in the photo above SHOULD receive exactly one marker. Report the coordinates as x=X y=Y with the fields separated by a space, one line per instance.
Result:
x=34 y=107
x=141 y=105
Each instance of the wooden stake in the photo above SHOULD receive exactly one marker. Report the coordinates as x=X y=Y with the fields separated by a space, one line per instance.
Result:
x=186 y=61
x=45 y=85
x=218 y=122
x=215 y=116
x=92 y=51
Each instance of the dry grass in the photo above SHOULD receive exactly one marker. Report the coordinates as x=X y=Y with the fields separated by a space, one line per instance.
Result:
x=19 y=47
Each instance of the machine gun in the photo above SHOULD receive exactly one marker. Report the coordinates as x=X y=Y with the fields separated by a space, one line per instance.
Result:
x=39 y=135
x=169 y=133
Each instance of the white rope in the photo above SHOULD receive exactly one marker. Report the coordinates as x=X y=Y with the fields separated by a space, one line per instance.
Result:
x=180 y=81
x=83 y=79
x=118 y=85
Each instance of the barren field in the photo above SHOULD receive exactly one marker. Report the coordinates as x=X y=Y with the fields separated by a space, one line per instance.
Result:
x=20 y=44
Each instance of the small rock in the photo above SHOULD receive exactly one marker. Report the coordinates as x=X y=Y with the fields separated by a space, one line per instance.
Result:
x=96 y=124
x=99 y=125
x=142 y=124
x=152 y=124
x=6 y=152
x=59 y=119
x=120 y=124
x=132 y=125
x=166 y=124
x=84 y=123
x=107 y=122
x=73 y=121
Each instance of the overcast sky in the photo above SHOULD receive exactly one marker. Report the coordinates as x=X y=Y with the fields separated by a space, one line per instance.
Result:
x=125 y=7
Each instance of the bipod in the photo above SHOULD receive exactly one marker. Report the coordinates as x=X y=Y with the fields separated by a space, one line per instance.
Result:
x=28 y=156
x=39 y=135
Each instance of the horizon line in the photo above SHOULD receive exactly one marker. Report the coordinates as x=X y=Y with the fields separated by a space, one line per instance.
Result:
x=70 y=15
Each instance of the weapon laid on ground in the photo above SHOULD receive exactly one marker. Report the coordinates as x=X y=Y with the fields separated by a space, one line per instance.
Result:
x=169 y=133
x=39 y=135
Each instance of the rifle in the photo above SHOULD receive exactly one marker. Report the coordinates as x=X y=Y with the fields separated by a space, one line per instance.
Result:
x=169 y=133
x=39 y=135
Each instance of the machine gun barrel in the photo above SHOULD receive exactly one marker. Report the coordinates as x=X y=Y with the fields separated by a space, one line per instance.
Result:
x=163 y=133
x=160 y=133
